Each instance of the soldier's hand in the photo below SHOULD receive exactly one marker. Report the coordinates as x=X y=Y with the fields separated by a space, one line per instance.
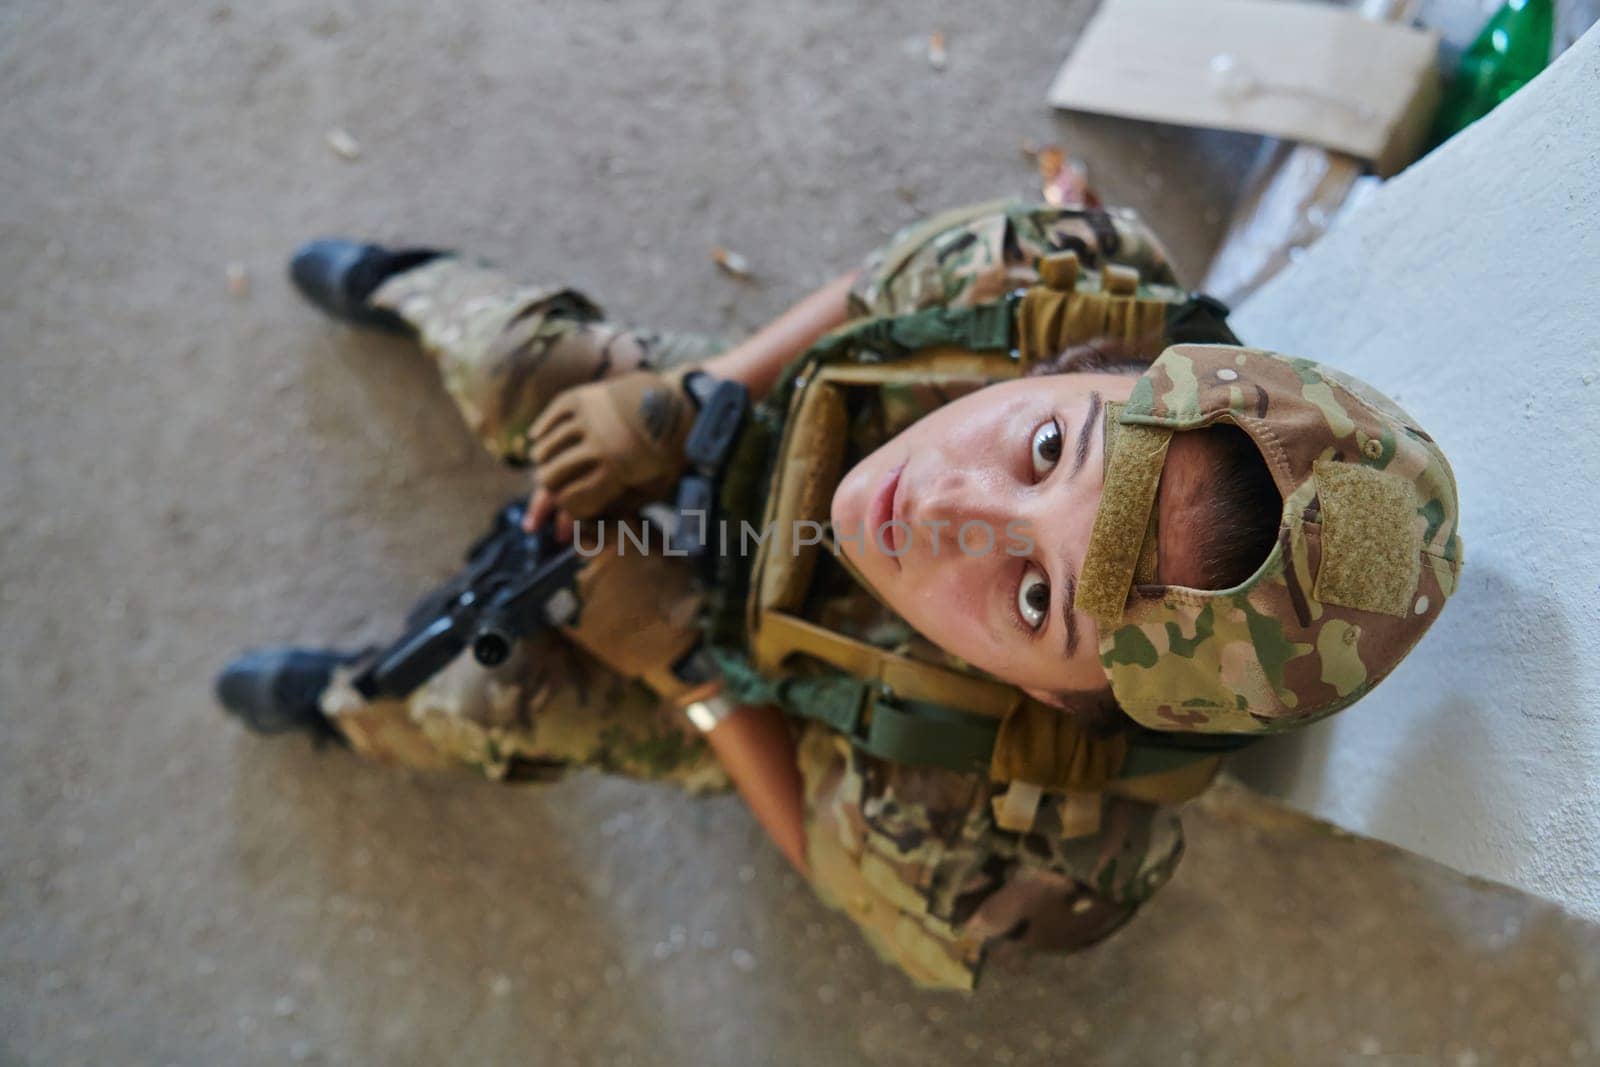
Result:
x=598 y=441
x=541 y=506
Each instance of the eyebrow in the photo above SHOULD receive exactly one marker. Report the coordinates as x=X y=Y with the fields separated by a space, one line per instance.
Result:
x=1080 y=453
x=1069 y=595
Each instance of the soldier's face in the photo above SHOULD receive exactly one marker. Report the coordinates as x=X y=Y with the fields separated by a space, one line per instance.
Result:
x=973 y=522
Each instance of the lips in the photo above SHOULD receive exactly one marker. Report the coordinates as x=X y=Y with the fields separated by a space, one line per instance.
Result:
x=884 y=510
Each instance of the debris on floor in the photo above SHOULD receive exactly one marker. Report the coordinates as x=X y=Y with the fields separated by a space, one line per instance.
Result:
x=238 y=280
x=1508 y=53
x=732 y=263
x=344 y=144
x=1226 y=66
x=1063 y=180
x=1258 y=66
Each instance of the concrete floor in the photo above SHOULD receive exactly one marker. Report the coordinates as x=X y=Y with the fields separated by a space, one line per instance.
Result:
x=187 y=472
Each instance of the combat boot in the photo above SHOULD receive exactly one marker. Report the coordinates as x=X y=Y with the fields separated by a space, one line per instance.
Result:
x=340 y=277
x=279 y=690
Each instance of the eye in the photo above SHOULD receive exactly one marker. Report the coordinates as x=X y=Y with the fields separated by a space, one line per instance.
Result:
x=1033 y=598
x=1046 y=448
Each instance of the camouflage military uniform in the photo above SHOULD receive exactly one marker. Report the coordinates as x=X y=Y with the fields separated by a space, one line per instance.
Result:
x=913 y=855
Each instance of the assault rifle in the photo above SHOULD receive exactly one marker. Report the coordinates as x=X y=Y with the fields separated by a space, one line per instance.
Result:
x=514 y=583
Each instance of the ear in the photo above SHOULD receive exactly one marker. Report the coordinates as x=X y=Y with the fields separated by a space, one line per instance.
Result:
x=1046 y=696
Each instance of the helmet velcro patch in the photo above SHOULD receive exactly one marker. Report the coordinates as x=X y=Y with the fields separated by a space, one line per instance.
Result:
x=1135 y=455
x=1371 y=541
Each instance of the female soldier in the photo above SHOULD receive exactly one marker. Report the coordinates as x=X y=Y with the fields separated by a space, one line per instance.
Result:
x=1060 y=572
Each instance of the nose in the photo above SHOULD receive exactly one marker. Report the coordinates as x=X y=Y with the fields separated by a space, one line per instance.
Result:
x=958 y=498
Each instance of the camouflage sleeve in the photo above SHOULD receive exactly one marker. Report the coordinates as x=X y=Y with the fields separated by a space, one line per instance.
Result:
x=976 y=254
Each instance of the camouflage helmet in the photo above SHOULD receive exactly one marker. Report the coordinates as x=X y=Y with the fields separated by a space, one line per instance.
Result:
x=1366 y=553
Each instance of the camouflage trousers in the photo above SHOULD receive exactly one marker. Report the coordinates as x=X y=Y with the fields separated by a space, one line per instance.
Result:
x=914 y=856
x=503 y=351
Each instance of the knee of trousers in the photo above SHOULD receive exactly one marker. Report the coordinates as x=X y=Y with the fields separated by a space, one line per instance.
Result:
x=537 y=355
x=504 y=350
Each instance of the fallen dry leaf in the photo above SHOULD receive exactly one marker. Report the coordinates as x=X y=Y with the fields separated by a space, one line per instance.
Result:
x=732 y=262
x=1063 y=181
x=238 y=280
x=1049 y=161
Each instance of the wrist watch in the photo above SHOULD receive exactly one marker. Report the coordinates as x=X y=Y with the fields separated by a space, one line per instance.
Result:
x=699 y=386
x=707 y=706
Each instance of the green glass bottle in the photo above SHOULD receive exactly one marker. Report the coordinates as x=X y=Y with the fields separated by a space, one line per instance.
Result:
x=1512 y=48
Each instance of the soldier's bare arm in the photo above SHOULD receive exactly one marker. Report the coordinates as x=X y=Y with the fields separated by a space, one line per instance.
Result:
x=756 y=747
x=758 y=361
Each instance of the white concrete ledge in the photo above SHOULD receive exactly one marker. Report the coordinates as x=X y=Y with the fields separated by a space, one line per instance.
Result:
x=1468 y=289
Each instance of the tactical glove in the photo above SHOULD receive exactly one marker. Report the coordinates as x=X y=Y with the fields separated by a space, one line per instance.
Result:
x=598 y=441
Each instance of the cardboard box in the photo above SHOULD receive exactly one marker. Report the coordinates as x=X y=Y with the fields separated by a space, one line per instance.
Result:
x=1307 y=72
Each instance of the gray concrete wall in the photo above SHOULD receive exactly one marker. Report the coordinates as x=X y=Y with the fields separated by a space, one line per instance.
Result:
x=1468 y=289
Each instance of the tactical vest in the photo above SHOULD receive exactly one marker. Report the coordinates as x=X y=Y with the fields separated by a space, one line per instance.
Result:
x=785 y=469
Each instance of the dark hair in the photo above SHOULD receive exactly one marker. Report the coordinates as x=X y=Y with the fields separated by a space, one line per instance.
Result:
x=1241 y=508
x=1104 y=355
